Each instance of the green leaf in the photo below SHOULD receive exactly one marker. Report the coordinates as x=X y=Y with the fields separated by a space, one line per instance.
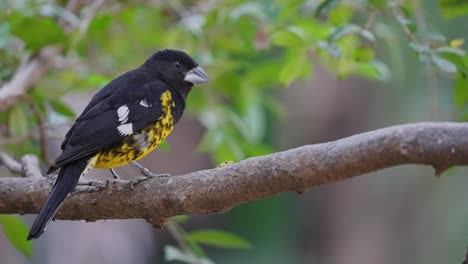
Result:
x=219 y=238
x=444 y=64
x=380 y=4
x=290 y=37
x=420 y=48
x=331 y=48
x=250 y=8
x=342 y=31
x=297 y=65
x=374 y=70
x=172 y=253
x=453 y=8
x=36 y=31
x=194 y=246
x=100 y=23
x=456 y=51
x=433 y=37
x=461 y=91
x=456 y=59
x=325 y=7
x=340 y=15
x=180 y=218
x=18 y=121
x=405 y=22
x=62 y=108
x=39 y=100
x=348 y=29
x=16 y=231
x=367 y=34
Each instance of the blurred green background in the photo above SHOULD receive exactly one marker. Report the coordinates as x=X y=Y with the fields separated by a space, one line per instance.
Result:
x=283 y=73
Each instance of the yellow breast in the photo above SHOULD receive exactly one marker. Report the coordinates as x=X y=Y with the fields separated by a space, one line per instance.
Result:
x=136 y=147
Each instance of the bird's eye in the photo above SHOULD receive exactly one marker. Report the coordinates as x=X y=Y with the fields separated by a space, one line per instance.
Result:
x=178 y=65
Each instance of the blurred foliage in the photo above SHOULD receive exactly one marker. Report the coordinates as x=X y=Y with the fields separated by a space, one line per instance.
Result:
x=218 y=238
x=249 y=48
x=16 y=230
x=191 y=250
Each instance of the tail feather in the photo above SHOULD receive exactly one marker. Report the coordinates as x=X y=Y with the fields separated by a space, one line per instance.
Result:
x=66 y=182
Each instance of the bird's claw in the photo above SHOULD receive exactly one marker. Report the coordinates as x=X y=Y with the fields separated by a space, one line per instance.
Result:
x=114 y=174
x=137 y=180
x=142 y=169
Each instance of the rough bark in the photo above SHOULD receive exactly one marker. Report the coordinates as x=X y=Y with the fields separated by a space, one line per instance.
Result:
x=440 y=145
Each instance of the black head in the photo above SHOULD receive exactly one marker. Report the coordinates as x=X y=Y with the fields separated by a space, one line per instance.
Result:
x=176 y=68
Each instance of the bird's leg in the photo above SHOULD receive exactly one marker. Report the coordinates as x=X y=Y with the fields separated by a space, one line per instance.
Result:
x=147 y=172
x=114 y=174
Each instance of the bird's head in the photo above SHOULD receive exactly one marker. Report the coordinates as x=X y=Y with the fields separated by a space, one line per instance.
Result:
x=176 y=68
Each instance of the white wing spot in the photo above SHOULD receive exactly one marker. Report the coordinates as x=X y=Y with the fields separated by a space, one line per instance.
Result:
x=125 y=129
x=144 y=103
x=122 y=113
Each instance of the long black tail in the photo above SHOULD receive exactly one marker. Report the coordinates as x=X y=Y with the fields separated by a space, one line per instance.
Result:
x=67 y=180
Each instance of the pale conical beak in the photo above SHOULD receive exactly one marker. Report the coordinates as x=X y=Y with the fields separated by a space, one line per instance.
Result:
x=196 y=76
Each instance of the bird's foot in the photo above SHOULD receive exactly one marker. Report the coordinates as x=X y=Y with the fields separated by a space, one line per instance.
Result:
x=137 y=180
x=142 y=169
x=147 y=172
x=114 y=174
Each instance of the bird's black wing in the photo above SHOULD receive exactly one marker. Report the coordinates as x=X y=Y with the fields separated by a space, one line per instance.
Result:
x=100 y=101
x=98 y=127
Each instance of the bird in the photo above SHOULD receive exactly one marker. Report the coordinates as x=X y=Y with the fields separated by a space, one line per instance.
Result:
x=124 y=121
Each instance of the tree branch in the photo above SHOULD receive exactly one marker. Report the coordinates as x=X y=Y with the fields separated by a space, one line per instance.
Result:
x=26 y=76
x=440 y=145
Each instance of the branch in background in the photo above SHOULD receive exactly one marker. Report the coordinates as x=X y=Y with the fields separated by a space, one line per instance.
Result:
x=26 y=76
x=440 y=145
x=30 y=72
x=30 y=166
x=431 y=74
x=10 y=163
x=42 y=128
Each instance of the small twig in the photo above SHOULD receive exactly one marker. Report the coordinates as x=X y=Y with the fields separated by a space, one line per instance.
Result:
x=10 y=163
x=431 y=75
x=371 y=19
x=176 y=231
x=395 y=7
x=432 y=84
x=68 y=19
x=42 y=128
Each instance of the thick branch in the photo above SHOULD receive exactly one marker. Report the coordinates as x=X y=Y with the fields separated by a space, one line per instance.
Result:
x=440 y=145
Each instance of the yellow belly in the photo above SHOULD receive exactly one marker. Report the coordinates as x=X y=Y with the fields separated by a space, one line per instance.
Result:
x=136 y=147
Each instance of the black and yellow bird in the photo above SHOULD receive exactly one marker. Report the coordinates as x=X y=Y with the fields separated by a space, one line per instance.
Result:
x=124 y=121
